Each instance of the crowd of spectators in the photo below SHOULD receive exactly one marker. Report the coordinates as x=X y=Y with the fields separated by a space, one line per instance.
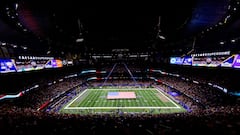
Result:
x=122 y=83
x=201 y=93
x=220 y=114
x=187 y=102
x=29 y=122
x=225 y=77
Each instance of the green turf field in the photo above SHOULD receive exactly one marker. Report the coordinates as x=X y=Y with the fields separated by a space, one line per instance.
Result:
x=148 y=100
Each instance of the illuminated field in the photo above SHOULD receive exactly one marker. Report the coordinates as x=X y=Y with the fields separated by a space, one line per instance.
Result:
x=148 y=100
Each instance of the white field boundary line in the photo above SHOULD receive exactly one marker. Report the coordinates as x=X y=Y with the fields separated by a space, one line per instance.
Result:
x=67 y=107
x=160 y=91
x=121 y=108
x=125 y=89
x=75 y=99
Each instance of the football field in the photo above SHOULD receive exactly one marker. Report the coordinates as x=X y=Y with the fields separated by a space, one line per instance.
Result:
x=143 y=100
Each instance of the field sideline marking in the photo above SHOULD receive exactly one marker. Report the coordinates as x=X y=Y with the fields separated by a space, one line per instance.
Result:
x=75 y=99
x=160 y=90
x=67 y=107
x=126 y=89
x=163 y=107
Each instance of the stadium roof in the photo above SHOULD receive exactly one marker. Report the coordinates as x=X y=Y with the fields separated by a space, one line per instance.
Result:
x=68 y=25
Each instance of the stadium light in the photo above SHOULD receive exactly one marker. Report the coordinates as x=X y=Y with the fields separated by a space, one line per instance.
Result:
x=161 y=37
x=80 y=39
x=159 y=34
x=16 y=6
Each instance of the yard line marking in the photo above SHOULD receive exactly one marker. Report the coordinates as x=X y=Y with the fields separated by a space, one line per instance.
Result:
x=160 y=91
x=163 y=107
x=126 y=89
x=75 y=99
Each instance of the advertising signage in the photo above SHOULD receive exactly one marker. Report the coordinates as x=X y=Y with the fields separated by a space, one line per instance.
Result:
x=181 y=60
x=28 y=64
x=7 y=65
x=236 y=62
x=231 y=61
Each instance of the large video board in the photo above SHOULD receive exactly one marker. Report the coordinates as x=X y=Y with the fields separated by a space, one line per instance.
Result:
x=54 y=64
x=28 y=64
x=231 y=61
x=7 y=65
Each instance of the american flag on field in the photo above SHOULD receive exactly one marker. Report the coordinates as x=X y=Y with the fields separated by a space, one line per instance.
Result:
x=121 y=95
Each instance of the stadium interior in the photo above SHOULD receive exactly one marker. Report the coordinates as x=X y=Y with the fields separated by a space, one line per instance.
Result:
x=116 y=68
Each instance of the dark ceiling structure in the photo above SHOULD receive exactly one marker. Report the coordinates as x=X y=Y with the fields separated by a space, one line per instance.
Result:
x=70 y=26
